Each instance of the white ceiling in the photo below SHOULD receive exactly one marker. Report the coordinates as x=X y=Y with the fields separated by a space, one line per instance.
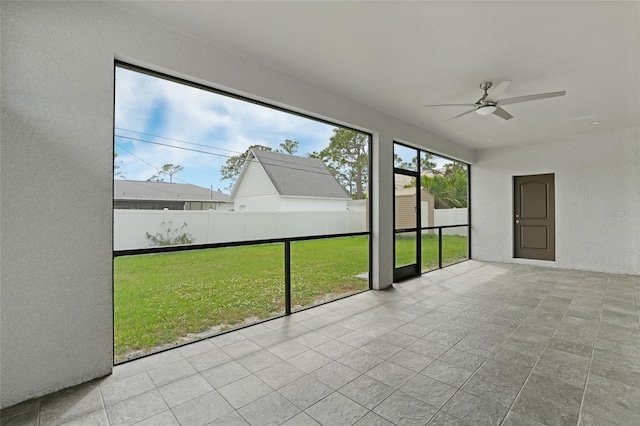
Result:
x=399 y=56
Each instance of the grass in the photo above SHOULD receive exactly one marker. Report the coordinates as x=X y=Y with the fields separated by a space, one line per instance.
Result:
x=454 y=249
x=162 y=299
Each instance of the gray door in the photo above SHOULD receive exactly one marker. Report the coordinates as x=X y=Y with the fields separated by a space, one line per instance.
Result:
x=534 y=217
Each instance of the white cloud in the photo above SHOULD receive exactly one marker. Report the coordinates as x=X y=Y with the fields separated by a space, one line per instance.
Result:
x=151 y=105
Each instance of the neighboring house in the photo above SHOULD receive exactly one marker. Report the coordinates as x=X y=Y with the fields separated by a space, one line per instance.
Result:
x=405 y=200
x=143 y=195
x=271 y=181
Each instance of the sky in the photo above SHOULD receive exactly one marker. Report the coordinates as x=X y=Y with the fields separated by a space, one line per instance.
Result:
x=159 y=122
x=150 y=109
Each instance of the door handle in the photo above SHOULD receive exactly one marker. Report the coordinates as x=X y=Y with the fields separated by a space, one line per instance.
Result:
x=517 y=221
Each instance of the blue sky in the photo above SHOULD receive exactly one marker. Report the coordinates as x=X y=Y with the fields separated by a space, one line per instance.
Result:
x=159 y=122
x=150 y=109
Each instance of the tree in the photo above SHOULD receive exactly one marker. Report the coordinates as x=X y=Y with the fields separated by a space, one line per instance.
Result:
x=166 y=170
x=347 y=157
x=448 y=190
x=233 y=166
x=116 y=167
x=289 y=146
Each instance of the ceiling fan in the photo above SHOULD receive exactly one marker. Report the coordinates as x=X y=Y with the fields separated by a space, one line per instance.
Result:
x=490 y=102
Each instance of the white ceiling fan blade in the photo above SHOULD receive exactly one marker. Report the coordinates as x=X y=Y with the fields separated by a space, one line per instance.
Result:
x=518 y=99
x=441 y=105
x=502 y=114
x=497 y=91
x=459 y=115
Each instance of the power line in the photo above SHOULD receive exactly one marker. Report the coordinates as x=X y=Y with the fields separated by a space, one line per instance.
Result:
x=323 y=172
x=178 y=140
x=189 y=143
x=148 y=164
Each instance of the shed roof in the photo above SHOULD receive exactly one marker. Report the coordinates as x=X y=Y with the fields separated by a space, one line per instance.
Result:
x=299 y=176
x=163 y=191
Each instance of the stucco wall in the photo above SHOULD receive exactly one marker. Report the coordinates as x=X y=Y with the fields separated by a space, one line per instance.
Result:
x=56 y=102
x=597 y=192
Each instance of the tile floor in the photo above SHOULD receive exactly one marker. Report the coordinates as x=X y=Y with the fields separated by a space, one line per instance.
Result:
x=474 y=344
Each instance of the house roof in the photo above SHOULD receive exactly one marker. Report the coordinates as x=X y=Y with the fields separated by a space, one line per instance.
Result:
x=163 y=191
x=299 y=176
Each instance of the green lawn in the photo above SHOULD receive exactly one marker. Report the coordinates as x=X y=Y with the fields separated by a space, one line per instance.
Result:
x=160 y=299
x=454 y=249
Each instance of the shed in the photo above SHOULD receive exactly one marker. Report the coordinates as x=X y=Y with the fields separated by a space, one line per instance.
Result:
x=405 y=208
x=272 y=181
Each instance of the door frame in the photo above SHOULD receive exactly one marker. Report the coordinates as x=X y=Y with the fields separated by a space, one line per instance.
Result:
x=414 y=269
x=549 y=180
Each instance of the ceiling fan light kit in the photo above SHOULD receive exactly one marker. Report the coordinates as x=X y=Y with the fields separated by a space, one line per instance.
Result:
x=491 y=104
x=486 y=109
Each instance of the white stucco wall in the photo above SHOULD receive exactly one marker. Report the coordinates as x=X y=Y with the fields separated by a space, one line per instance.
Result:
x=597 y=192
x=56 y=102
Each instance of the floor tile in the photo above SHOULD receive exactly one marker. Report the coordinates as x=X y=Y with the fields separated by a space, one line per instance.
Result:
x=202 y=410
x=171 y=372
x=447 y=373
x=26 y=418
x=491 y=389
x=509 y=372
x=398 y=338
x=312 y=339
x=336 y=410
x=544 y=411
x=183 y=390
x=512 y=336
x=335 y=375
x=563 y=366
x=428 y=390
x=309 y=361
x=166 y=418
x=240 y=349
x=70 y=403
x=554 y=390
x=444 y=419
x=334 y=349
x=136 y=409
x=515 y=419
x=271 y=409
x=372 y=419
x=305 y=392
x=244 y=391
x=280 y=374
x=381 y=349
x=301 y=419
x=224 y=374
x=475 y=410
x=462 y=359
x=97 y=418
x=431 y=349
x=287 y=349
x=404 y=410
x=391 y=374
x=411 y=360
x=126 y=388
x=367 y=391
x=259 y=360
x=197 y=348
x=360 y=360
x=161 y=359
x=232 y=419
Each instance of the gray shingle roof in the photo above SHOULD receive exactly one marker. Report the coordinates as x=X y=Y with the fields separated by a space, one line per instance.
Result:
x=163 y=191
x=299 y=176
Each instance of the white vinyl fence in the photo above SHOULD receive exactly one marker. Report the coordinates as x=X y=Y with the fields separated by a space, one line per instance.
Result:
x=215 y=226
x=443 y=217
